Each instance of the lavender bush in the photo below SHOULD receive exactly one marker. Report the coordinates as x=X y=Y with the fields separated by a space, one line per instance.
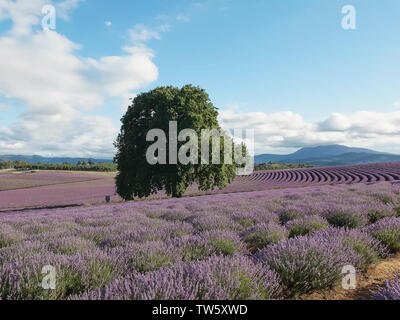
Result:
x=218 y=278
x=289 y=213
x=387 y=231
x=369 y=249
x=224 y=242
x=250 y=218
x=147 y=256
x=389 y=291
x=261 y=235
x=306 y=225
x=341 y=216
x=306 y=263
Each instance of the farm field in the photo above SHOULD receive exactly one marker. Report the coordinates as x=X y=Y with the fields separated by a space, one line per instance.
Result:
x=11 y=180
x=270 y=244
x=91 y=188
x=82 y=193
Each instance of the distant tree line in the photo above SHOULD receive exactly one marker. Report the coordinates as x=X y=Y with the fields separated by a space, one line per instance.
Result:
x=81 y=165
x=279 y=166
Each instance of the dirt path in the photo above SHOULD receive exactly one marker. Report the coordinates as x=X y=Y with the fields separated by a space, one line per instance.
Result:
x=375 y=276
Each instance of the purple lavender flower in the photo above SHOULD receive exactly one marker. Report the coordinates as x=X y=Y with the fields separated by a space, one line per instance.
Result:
x=217 y=278
x=389 y=291
x=261 y=235
x=345 y=216
x=305 y=263
x=388 y=232
x=306 y=225
x=250 y=218
x=369 y=249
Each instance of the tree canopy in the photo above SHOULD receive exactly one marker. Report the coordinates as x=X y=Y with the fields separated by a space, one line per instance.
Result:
x=188 y=107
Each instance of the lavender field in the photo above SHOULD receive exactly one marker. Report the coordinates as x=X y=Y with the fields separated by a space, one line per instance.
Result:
x=31 y=179
x=269 y=244
x=50 y=189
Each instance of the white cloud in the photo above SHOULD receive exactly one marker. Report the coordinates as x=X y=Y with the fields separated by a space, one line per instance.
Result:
x=396 y=104
x=183 y=18
x=140 y=33
x=45 y=71
x=65 y=8
x=119 y=75
x=27 y=13
x=165 y=27
x=335 y=122
x=108 y=23
x=23 y=13
x=283 y=132
x=69 y=132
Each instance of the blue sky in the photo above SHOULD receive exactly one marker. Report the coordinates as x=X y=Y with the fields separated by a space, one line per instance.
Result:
x=286 y=69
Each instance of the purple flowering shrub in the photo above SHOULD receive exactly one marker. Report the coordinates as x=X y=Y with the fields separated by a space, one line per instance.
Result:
x=21 y=279
x=147 y=256
x=306 y=225
x=306 y=263
x=369 y=249
x=9 y=236
x=250 y=218
x=70 y=245
x=376 y=212
x=387 y=231
x=192 y=247
x=208 y=243
x=389 y=291
x=289 y=213
x=211 y=222
x=218 y=278
x=385 y=197
x=345 y=217
x=176 y=215
x=262 y=235
x=224 y=242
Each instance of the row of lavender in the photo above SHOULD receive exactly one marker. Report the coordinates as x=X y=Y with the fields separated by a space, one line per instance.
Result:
x=11 y=180
x=94 y=192
x=366 y=173
x=259 y=245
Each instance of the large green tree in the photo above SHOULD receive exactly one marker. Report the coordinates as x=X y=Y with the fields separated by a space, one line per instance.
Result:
x=191 y=108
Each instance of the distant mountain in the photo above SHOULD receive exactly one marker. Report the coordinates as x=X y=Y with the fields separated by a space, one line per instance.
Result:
x=330 y=155
x=56 y=160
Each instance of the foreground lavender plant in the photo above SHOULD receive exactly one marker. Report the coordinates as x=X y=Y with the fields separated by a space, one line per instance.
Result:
x=305 y=263
x=388 y=232
x=345 y=216
x=369 y=249
x=389 y=291
x=217 y=278
x=306 y=225
x=262 y=235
